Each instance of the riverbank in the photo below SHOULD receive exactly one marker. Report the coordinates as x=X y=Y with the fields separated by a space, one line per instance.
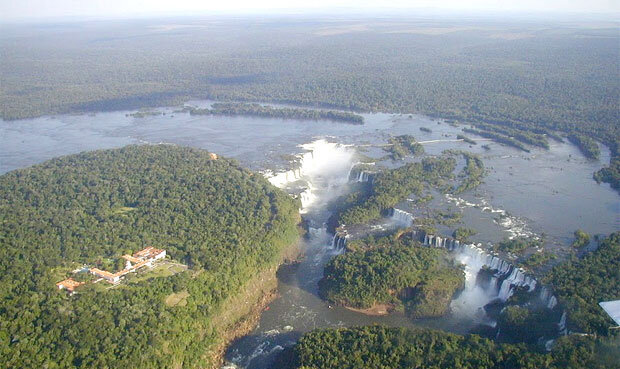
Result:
x=240 y=314
x=375 y=310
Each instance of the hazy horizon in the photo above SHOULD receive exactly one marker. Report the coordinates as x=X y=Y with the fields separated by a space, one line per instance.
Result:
x=43 y=10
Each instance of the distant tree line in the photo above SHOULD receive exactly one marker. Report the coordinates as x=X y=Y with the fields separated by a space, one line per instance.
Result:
x=570 y=84
x=267 y=111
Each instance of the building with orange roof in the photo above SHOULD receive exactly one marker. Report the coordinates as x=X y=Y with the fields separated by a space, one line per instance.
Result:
x=131 y=259
x=69 y=284
x=142 y=258
x=112 y=278
x=150 y=253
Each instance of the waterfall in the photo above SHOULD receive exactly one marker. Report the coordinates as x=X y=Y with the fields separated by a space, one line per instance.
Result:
x=562 y=324
x=402 y=217
x=339 y=241
x=506 y=278
x=475 y=257
x=547 y=298
x=322 y=172
x=364 y=176
x=359 y=174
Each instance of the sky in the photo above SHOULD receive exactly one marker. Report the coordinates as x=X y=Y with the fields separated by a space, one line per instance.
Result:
x=36 y=9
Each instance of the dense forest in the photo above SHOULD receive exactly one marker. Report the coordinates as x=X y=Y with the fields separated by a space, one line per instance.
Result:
x=374 y=347
x=395 y=272
x=580 y=284
x=224 y=222
x=267 y=111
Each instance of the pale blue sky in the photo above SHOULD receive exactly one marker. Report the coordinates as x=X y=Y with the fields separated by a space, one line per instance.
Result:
x=25 y=9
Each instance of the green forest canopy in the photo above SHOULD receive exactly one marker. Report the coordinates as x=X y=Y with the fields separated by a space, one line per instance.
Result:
x=219 y=218
x=398 y=272
x=580 y=284
x=373 y=347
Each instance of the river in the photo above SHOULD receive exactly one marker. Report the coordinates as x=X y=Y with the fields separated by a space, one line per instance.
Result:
x=548 y=191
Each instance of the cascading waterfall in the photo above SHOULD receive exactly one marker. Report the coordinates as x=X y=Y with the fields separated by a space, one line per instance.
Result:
x=402 y=217
x=322 y=173
x=361 y=176
x=339 y=241
x=547 y=298
x=505 y=280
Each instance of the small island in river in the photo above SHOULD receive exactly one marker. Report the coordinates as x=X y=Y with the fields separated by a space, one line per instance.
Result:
x=267 y=111
x=393 y=273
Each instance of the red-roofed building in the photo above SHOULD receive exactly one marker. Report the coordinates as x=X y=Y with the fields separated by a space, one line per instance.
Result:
x=69 y=284
x=150 y=253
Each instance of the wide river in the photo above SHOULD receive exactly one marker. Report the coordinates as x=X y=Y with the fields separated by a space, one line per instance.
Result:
x=544 y=191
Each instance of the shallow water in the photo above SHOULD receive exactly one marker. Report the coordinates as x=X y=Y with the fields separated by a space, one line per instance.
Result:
x=542 y=191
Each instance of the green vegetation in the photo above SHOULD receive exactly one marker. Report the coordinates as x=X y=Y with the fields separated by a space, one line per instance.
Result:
x=374 y=347
x=394 y=272
x=144 y=114
x=446 y=217
x=472 y=174
x=582 y=239
x=532 y=136
x=462 y=234
x=610 y=174
x=390 y=187
x=267 y=111
x=497 y=137
x=518 y=244
x=580 y=284
x=520 y=324
x=401 y=146
x=225 y=223
x=466 y=139
x=537 y=259
x=588 y=146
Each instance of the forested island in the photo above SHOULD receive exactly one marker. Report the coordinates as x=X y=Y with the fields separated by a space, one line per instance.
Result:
x=382 y=347
x=391 y=273
x=374 y=199
x=401 y=146
x=231 y=227
x=266 y=111
x=391 y=186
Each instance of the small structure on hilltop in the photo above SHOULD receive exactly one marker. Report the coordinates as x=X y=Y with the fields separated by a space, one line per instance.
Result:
x=213 y=156
x=69 y=284
x=140 y=259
